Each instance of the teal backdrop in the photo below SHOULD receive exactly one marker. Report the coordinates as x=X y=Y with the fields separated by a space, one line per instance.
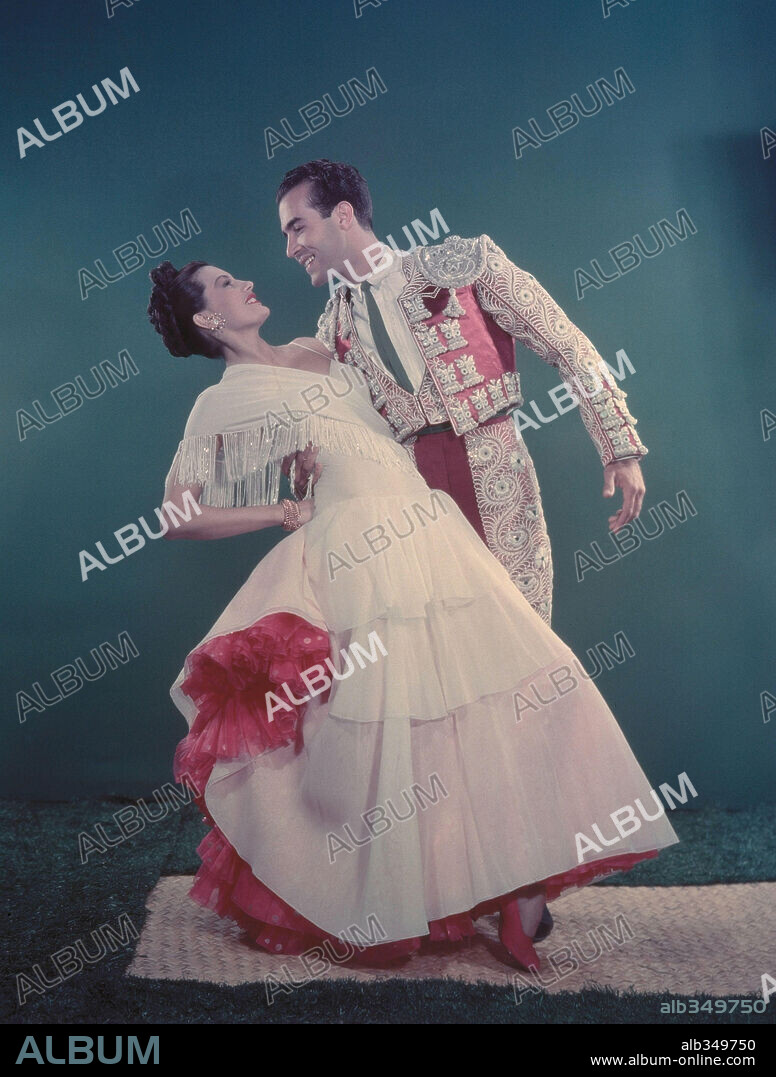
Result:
x=697 y=323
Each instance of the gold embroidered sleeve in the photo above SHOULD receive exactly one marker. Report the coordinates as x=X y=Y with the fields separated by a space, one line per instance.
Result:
x=521 y=306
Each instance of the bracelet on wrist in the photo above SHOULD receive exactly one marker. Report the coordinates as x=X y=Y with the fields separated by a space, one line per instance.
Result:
x=292 y=517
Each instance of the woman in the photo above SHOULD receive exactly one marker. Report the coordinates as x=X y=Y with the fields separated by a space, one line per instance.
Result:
x=381 y=729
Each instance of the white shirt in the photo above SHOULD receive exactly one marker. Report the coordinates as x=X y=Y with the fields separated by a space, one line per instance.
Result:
x=387 y=283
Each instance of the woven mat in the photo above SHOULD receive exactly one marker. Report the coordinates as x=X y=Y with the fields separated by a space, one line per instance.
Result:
x=716 y=940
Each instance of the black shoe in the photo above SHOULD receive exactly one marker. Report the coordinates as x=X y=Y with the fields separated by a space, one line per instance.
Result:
x=546 y=924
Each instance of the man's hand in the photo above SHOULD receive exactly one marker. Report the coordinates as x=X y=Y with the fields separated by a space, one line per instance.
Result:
x=627 y=475
x=305 y=467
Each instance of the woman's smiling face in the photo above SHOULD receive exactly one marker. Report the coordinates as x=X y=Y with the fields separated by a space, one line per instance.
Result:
x=234 y=298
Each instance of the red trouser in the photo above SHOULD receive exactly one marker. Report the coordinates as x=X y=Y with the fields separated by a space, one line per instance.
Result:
x=491 y=477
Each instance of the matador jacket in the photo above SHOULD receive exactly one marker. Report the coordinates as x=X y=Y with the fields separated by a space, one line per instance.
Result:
x=464 y=302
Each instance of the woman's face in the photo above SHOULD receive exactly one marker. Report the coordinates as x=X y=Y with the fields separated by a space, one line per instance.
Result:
x=225 y=294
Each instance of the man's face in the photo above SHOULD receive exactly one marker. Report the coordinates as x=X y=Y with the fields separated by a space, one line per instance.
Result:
x=317 y=243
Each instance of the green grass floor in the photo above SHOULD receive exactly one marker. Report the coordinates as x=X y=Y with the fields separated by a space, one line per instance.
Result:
x=52 y=899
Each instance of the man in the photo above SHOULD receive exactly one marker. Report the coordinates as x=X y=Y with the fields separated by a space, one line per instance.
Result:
x=432 y=330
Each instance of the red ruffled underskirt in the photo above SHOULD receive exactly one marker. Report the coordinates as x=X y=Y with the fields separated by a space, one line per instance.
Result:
x=228 y=679
x=226 y=884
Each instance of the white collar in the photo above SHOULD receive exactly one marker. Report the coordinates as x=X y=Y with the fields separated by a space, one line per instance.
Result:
x=393 y=265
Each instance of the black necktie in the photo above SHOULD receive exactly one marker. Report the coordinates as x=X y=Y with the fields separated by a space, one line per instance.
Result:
x=385 y=349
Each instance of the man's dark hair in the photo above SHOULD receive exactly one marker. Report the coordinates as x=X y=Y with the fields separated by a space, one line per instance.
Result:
x=331 y=182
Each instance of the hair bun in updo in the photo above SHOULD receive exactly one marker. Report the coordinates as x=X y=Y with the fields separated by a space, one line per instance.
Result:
x=161 y=313
x=175 y=298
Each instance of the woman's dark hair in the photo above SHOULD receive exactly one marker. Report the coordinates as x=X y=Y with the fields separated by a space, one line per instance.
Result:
x=331 y=182
x=176 y=297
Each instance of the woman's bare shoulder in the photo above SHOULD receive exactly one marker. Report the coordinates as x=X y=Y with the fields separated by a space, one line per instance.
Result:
x=307 y=353
x=313 y=344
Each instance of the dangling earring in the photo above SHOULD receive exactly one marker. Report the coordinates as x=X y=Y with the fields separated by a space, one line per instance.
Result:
x=216 y=322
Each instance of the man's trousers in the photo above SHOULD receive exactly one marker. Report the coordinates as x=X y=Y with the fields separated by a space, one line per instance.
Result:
x=491 y=477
